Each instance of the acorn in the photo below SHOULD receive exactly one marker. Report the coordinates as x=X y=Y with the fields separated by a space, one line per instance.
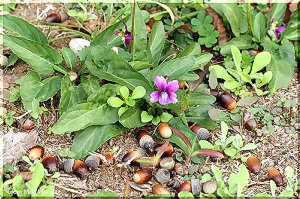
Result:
x=275 y=175
x=164 y=130
x=178 y=168
x=167 y=152
x=186 y=186
x=28 y=125
x=253 y=53
x=167 y=163
x=68 y=165
x=253 y=164
x=227 y=101
x=160 y=189
x=50 y=163
x=210 y=187
x=133 y=155
x=109 y=156
x=57 y=17
x=92 y=162
x=182 y=85
x=142 y=176
x=35 y=153
x=163 y=175
x=202 y=133
x=250 y=124
x=145 y=140
x=196 y=186
x=213 y=92
x=80 y=169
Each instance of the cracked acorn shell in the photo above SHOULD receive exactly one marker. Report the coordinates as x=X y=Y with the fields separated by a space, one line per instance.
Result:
x=160 y=189
x=35 y=153
x=275 y=175
x=178 y=168
x=251 y=124
x=145 y=140
x=167 y=152
x=28 y=125
x=50 y=163
x=253 y=164
x=186 y=186
x=163 y=176
x=92 y=162
x=227 y=101
x=142 y=176
x=109 y=156
x=68 y=165
x=196 y=186
x=210 y=187
x=164 y=130
x=80 y=169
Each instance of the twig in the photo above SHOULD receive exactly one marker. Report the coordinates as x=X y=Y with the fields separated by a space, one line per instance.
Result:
x=21 y=116
x=65 y=188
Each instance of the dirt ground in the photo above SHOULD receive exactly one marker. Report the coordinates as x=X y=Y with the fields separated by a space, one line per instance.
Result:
x=278 y=150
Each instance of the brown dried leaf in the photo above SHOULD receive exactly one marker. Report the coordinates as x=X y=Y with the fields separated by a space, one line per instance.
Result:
x=219 y=26
x=184 y=27
x=182 y=136
x=25 y=175
x=209 y=152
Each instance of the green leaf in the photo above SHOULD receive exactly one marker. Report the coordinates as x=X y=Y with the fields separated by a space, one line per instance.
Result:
x=38 y=175
x=224 y=129
x=156 y=120
x=70 y=95
x=205 y=144
x=35 y=108
x=243 y=42
x=282 y=66
x=22 y=28
x=101 y=95
x=124 y=91
x=45 y=191
x=131 y=118
x=221 y=72
x=185 y=195
x=249 y=146
x=237 y=58
x=138 y=92
x=289 y=172
x=174 y=68
x=230 y=151
x=266 y=78
x=115 y=102
x=166 y=117
x=69 y=57
x=231 y=84
x=198 y=98
x=85 y=114
x=139 y=51
x=116 y=69
x=233 y=15
x=93 y=137
x=156 y=43
x=145 y=117
x=122 y=110
x=243 y=177
x=213 y=79
x=90 y=83
x=217 y=173
x=259 y=26
x=191 y=50
x=277 y=12
x=50 y=87
x=200 y=115
x=206 y=177
x=261 y=60
x=104 y=194
x=41 y=57
x=189 y=77
x=139 y=65
x=130 y=102
x=19 y=186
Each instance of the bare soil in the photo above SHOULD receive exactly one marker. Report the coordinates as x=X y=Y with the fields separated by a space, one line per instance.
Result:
x=278 y=150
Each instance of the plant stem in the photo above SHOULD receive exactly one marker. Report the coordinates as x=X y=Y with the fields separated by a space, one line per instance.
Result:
x=188 y=15
x=132 y=28
x=63 y=37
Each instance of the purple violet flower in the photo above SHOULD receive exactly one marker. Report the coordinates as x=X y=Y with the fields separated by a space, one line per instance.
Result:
x=278 y=31
x=166 y=95
x=125 y=36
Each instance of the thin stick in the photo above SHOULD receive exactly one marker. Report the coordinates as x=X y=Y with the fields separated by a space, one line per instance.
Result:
x=65 y=188
x=21 y=116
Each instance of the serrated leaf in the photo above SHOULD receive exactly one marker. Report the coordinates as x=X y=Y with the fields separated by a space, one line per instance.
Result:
x=237 y=57
x=231 y=84
x=156 y=43
x=230 y=151
x=93 y=137
x=41 y=57
x=69 y=57
x=22 y=28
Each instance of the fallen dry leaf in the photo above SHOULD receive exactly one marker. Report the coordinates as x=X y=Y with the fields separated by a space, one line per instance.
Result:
x=194 y=84
x=183 y=27
x=219 y=26
x=25 y=175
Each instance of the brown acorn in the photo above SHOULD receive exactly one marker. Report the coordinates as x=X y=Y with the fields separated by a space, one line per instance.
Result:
x=92 y=162
x=253 y=164
x=109 y=156
x=186 y=186
x=250 y=124
x=182 y=85
x=210 y=187
x=227 y=101
x=80 y=169
x=57 y=17
x=28 y=125
x=164 y=130
x=167 y=163
x=142 y=176
x=50 y=163
x=145 y=140
x=133 y=155
x=253 y=53
x=167 y=152
x=160 y=189
x=178 y=168
x=213 y=92
x=35 y=153
x=275 y=175
x=202 y=133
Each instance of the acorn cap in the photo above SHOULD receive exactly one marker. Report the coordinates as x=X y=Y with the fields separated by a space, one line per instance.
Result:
x=68 y=165
x=35 y=152
x=133 y=155
x=92 y=162
x=196 y=186
x=145 y=140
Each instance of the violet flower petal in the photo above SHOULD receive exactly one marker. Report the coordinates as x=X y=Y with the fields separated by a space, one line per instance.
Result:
x=280 y=29
x=172 y=86
x=172 y=98
x=160 y=82
x=164 y=98
x=154 y=96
